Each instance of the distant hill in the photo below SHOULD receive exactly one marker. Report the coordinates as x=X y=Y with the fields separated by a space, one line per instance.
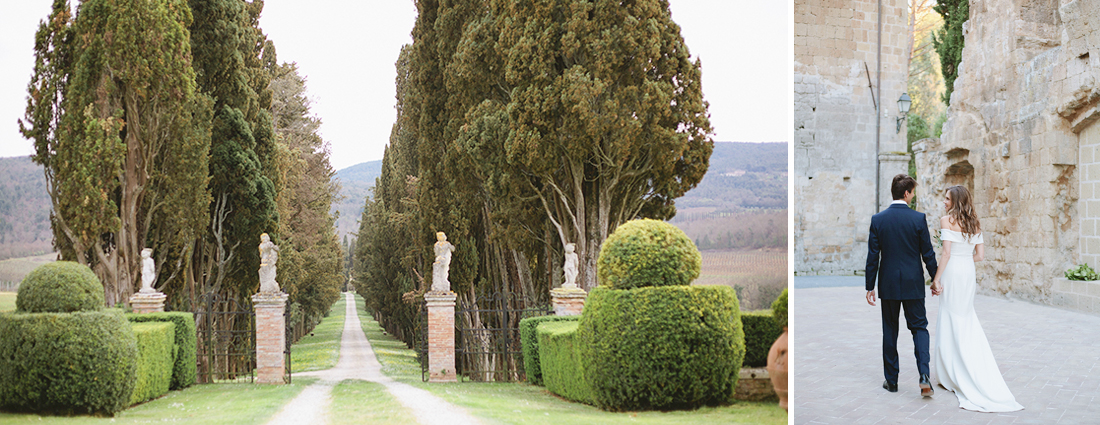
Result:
x=356 y=183
x=24 y=209
x=741 y=176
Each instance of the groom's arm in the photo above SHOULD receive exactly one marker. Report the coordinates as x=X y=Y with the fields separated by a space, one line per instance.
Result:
x=927 y=252
x=873 y=250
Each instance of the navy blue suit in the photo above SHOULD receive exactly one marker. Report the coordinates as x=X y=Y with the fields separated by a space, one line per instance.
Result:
x=898 y=241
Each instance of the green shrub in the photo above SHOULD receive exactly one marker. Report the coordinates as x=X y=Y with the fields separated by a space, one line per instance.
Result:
x=761 y=331
x=561 y=365
x=661 y=347
x=60 y=287
x=183 y=372
x=1082 y=272
x=530 y=344
x=779 y=309
x=67 y=362
x=156 y=355
x=646 y=252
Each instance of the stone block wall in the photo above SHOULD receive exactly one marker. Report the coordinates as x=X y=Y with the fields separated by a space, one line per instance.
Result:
x=835 y=50
x=1018 y=135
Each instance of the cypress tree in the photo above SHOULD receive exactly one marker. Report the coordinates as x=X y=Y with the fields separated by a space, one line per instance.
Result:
x=949 y=40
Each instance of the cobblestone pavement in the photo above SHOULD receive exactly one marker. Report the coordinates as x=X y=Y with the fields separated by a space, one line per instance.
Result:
x=1049 y=357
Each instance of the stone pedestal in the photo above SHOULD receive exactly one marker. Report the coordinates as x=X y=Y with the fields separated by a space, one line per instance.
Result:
x=441 y=336
x=147 y=302
x=568 y=301
x=270 y=337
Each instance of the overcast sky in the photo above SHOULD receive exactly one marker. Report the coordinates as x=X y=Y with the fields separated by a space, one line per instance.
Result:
x=347 y=48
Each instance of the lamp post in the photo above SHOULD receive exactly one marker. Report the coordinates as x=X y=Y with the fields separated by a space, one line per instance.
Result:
x=903 y=109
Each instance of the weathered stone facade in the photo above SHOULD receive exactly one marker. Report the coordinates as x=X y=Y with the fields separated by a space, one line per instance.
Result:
x=1020 y=135
x=835 y=50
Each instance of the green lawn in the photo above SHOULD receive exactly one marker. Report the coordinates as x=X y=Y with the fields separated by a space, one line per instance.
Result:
x=7 y=301
x=357 y=402
x=213 y=404
x=321 y=349
x=520 y=403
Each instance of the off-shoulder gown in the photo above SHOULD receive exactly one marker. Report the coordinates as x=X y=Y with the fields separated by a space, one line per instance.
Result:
x=964 y=362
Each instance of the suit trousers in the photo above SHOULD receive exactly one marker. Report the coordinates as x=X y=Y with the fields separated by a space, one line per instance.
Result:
x=917 y=322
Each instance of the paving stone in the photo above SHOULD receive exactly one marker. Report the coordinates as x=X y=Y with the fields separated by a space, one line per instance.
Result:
x=1050 y=358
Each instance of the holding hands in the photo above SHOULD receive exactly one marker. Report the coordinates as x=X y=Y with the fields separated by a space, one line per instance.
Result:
x=937 y=288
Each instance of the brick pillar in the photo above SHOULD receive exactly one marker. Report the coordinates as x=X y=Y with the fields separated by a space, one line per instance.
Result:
x=568 y=301
x=270 y=337
x=441 y=336
x=147 y=302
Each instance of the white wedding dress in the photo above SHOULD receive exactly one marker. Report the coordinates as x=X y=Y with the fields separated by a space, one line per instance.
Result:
x=964 y=362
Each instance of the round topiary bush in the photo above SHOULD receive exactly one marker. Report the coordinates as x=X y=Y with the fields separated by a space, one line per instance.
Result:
x=82 y=362
x=661 y=347
x=779 y=309
x=60 y=287
x=646 y=252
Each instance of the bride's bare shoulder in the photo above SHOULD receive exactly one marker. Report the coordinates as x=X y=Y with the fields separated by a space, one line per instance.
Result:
x=947 y=223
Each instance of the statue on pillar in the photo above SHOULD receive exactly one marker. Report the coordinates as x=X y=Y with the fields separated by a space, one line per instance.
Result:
x=441 y=268
x=269 y=254
x=148 y=271
x=570 y=266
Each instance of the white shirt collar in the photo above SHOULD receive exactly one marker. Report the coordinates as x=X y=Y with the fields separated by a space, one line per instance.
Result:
x=899 y=201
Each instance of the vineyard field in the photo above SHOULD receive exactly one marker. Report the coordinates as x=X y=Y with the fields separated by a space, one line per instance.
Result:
x=759 y=276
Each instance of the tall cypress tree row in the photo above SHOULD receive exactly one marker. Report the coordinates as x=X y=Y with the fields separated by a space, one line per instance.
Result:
x=228 y=46
x=127 y=160
x=949 y=40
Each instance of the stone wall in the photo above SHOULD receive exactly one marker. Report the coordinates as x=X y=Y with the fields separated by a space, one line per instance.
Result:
x=1019 y=133
x=835 y=49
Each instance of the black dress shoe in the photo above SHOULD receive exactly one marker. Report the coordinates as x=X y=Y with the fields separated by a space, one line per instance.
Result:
x=890 y=387
x=925 y=386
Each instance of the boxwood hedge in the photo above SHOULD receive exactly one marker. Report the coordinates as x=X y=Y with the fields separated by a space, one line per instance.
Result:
x=530 y=344
x=642 y=253
x=779 y=309
x=561 y=365
x=156 y=354
x=761 y=331
x=661 y=347
x=60 y=287
x=183 y=372
x=82 y=362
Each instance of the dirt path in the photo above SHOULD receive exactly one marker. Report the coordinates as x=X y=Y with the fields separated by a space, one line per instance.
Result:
x=357 y=361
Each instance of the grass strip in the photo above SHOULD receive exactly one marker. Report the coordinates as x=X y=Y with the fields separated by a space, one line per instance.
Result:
x=521 y=403
x=320 y=349
x=357 y=402
x=7 y=301
x=213 y=404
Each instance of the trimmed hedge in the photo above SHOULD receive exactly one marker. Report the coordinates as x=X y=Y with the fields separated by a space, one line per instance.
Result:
x=643 y=253
x=60 y=287
x=156 y=354
x=779 y=309
x=561 y=365
x=67 y=362
x=530 y=344
x=183 y=372
x=761 y=331
x=661 y=347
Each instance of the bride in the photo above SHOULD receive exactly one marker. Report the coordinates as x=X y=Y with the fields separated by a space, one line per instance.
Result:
x=964 y=361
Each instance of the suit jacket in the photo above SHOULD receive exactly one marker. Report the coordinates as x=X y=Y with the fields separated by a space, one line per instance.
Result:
x=900 y=237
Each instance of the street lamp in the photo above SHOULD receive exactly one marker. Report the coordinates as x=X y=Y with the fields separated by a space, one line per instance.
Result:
x=903 y=108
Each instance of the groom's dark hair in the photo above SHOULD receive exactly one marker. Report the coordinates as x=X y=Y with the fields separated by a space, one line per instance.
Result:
x=902 y=183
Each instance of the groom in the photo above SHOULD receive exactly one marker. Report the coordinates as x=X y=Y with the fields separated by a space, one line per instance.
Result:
x=900 y=236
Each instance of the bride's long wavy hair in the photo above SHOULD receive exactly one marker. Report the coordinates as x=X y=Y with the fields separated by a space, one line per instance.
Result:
x=962 y=210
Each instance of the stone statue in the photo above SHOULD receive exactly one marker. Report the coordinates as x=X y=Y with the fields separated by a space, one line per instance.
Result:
x=570 y=266
x=148 y=271
x=441 y=268
x=269 y=254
